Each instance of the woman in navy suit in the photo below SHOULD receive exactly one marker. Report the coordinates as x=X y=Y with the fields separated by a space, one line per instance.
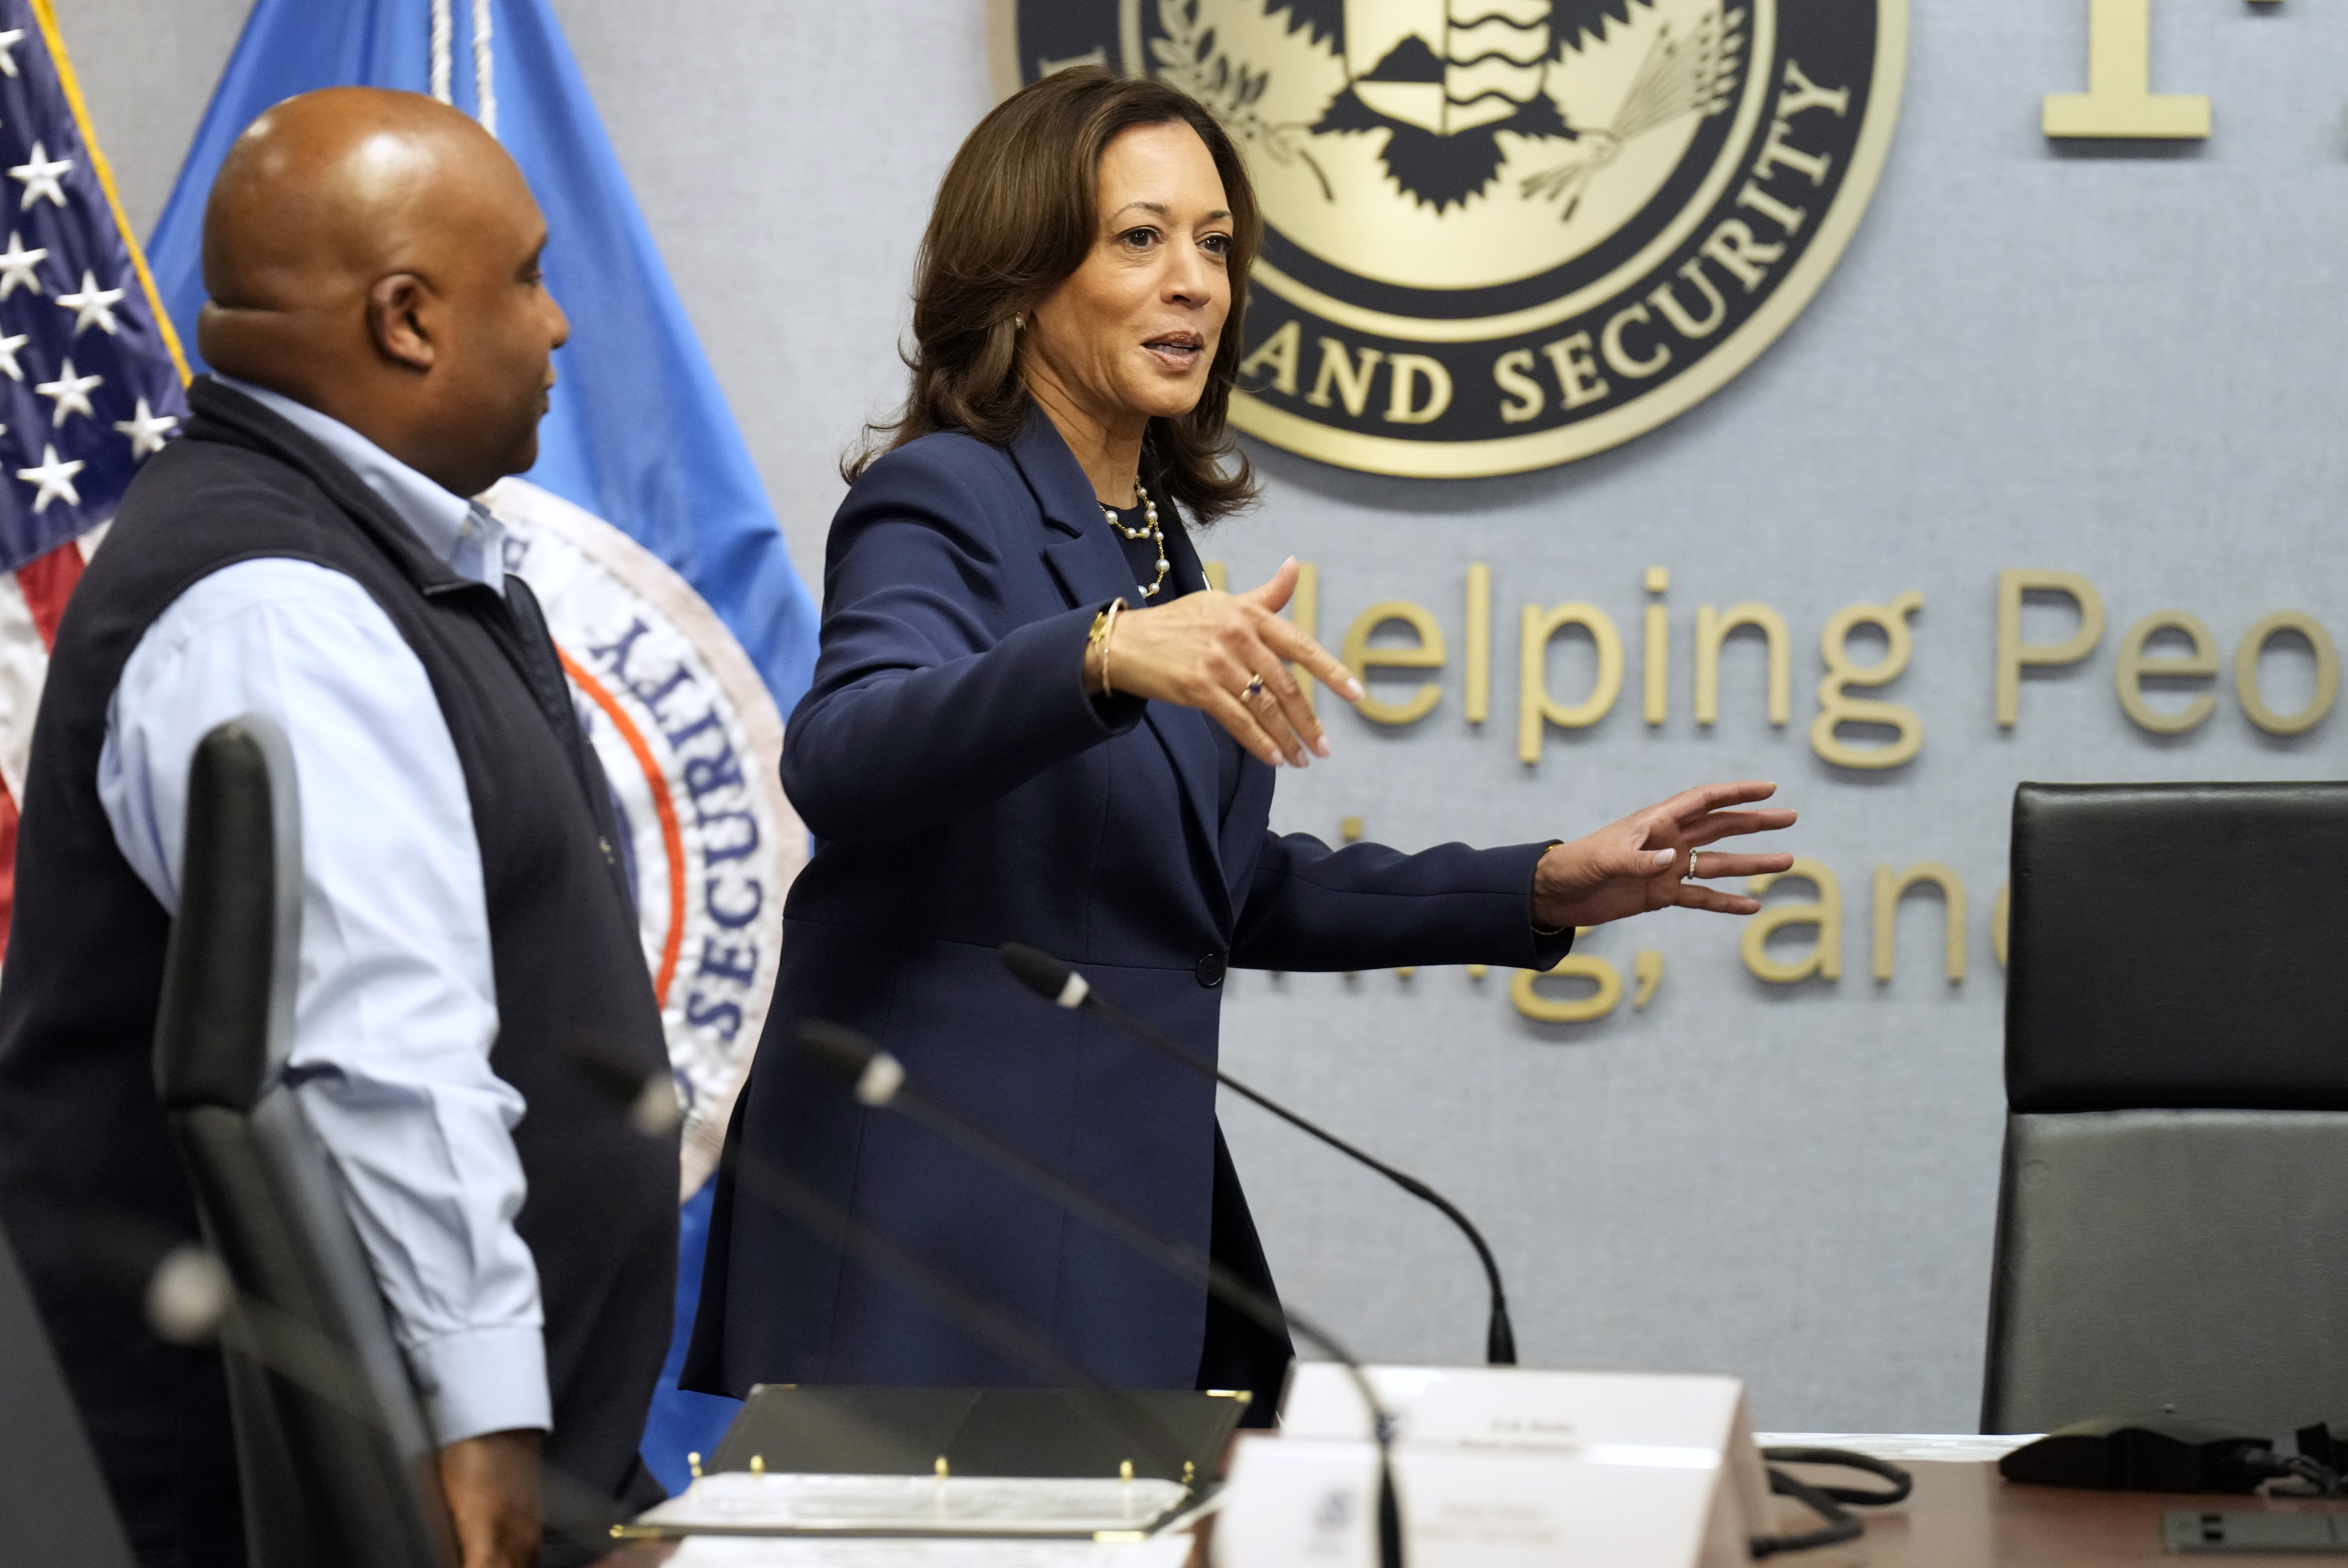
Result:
x=1032 y=721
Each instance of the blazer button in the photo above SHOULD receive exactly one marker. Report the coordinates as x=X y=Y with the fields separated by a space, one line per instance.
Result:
x=1210 y=970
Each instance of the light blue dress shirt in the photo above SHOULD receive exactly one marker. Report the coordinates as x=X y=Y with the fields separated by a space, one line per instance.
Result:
x=396 y=1007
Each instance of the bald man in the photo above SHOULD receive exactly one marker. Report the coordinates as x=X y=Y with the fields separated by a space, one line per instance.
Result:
x=473 y=1013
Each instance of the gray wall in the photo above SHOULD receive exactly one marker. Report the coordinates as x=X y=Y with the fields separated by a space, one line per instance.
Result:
x=2124 y=366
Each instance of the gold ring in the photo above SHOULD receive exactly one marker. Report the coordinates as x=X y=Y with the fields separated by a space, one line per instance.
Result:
x=1255 y=684
x=1689 y=874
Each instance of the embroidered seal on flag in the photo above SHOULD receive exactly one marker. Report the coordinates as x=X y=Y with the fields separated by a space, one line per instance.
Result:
x=1503 y=234
x=692 y=746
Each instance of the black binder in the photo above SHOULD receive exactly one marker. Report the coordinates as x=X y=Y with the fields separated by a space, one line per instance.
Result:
x=1067 y=1432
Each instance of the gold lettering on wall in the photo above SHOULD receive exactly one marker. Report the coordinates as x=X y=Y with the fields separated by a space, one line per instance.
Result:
x=1095 y=56
x=1786 y=217
x=1664 y=296
x=1525 y=992
x=1362 y=656
x=2001 y=920
x=1351 y=377
x=2246 y=673
x=2135 y=664
x=1649 y=968
x=1740 y=253
x=1278 y=355
x=1836 y=709
x=1825 y=958
x=2119 y=100
x=2013 y=653
x=1534 y=704
x=1712 y=629
x=1512 y=373
x=1888 y=887
x=1304 y=611
x=1576 y=367
x=1404 y=405
x=1619 y=357
x=1479 y=699
x=1657 y=665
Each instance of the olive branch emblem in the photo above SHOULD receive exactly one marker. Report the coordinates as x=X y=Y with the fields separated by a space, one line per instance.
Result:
x=1696 y=75
x=1187 y=58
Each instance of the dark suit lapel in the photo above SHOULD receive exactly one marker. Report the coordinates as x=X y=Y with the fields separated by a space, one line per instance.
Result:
x=1077 y=548
x=1084 y=558
x=1192 y=740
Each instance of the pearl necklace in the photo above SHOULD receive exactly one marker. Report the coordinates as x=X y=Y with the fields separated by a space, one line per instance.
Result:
x=1148 y=529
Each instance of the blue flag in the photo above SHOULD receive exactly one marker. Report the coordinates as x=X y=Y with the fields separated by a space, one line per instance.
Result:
x=647 y=534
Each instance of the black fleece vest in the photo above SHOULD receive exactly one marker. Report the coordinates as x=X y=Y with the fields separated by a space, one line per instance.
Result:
x=87 y=1179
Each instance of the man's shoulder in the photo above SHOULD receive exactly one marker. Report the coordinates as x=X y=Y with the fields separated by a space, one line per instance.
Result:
x=197 y=470
x=198 y=499
x=193 y=508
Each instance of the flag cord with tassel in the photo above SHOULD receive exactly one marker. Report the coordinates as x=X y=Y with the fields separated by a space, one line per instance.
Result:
x=443 y=59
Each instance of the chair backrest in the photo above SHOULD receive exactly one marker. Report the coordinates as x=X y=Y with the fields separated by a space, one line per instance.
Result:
x=2172 y=1230
x=332 y=1449
x=54 y=1505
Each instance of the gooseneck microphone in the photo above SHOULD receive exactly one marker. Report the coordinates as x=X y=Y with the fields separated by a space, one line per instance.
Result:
x=1059 y=984
x=878 y=1079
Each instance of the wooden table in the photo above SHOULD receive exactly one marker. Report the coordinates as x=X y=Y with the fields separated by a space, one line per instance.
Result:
x=1964 y=1515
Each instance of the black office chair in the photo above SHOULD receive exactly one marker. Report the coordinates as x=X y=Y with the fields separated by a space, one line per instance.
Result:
x=336 y=1466
x=2172 y=1231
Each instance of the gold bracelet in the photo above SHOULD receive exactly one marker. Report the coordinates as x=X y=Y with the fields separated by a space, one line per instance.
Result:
x=1108 y=634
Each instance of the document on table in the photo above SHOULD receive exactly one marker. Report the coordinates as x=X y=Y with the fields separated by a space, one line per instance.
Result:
x=740 y=1502
x=915 y=1551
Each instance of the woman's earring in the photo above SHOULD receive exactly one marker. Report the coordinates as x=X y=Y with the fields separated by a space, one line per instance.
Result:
x=1019 y=323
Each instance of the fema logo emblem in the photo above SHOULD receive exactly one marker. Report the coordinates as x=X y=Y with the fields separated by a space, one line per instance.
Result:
x=692 y=745
x=1502 y=234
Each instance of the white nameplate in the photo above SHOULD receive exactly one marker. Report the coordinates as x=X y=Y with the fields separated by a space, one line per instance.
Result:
x=1496 y=1467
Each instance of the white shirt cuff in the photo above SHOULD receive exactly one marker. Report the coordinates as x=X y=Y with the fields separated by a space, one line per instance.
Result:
x=483 y=1380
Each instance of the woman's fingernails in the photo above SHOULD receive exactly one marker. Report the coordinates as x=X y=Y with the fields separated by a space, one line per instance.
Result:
x=1353 y=691
x=1666 y=857
x=1301 y=760
x=1321 y=745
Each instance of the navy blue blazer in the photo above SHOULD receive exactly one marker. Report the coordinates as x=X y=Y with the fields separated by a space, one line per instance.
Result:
x=964 y=791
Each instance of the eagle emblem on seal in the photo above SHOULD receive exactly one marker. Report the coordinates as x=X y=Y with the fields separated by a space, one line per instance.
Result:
x=1500 y=235
x=1444 y=81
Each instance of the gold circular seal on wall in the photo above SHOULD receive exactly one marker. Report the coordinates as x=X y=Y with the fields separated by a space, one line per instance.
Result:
x=1503 y=234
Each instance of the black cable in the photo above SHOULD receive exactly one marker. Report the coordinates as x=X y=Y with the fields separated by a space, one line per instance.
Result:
x=2315 y=1472
x=1902 y=1484
x=2265 y=1464
x=1841 y=1523
x=1826 y=1502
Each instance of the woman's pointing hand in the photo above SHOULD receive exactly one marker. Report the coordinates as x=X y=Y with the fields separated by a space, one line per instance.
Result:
x=1226 y=654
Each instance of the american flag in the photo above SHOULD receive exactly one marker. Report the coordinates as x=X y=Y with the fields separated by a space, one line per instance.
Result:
x=91 y=378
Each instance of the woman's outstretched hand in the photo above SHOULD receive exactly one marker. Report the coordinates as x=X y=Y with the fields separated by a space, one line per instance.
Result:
x=1203 y=650
x=1642 y=862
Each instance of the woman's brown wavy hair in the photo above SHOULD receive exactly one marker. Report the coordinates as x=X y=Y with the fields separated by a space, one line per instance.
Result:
x=1016 y=216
